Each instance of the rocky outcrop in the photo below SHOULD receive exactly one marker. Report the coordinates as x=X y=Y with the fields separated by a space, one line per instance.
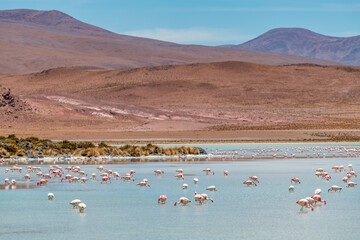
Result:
x=11 y=105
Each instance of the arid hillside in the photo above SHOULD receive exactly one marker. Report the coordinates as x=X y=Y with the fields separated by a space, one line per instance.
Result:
x=32 y=41
x=207 y=96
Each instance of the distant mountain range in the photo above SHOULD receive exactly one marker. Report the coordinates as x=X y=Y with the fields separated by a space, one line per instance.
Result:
x=305 y=43
x=32 y=41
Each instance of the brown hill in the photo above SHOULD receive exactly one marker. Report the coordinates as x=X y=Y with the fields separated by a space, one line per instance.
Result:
x=221 y=96
x=32 y=41
x=305 y=43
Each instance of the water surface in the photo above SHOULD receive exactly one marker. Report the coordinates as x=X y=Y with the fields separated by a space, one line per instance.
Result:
x=124 y=210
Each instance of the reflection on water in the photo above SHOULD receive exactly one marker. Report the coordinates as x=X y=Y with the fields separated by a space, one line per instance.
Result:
x=123 y=210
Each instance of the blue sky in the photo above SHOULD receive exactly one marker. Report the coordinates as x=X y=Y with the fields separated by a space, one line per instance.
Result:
x=208 y=22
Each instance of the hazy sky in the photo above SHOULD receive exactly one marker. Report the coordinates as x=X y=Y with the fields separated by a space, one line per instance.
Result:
x=209 y=22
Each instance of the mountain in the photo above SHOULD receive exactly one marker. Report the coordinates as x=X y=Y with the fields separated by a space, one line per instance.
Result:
x=32 y=41
x=305 y=43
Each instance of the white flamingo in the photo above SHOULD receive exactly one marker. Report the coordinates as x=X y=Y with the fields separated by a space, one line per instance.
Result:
x=50 y=196
x=304 y=203
x=351 y=184
x=334 y=188
x=211 y=188
x=183 y=201
x=75 y=203
x=81 y=206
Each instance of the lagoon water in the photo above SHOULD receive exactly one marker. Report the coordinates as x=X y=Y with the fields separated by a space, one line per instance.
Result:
x=123 y=210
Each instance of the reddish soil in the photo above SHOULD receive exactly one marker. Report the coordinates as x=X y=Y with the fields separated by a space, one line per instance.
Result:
x=200 y=101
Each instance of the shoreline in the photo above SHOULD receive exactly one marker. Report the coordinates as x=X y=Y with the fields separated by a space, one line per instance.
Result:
x=188 y=137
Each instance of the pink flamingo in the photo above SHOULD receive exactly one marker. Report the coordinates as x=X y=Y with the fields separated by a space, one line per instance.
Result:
x=317 y=198
x=208 y=170
x=249 y=183
x=254 y=179
x=162 y=199
x=295 y=180
x=158 y=172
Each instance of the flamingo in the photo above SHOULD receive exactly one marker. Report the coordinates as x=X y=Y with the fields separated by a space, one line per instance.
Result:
x=13 y=182
x=350 y=167
x=67 y=177
x=254 y=179
x=50 y=196
x=42 y=181
x=208 y=170
x=27 y=176
x=84 y=179
x=317 y=198
x=304 y=203
x=211 y=188
x=291 y=188
x=318 y=191
x=93 y=176
x=7 y=181
x=75 y=203
x=249 y=182
x=179 y=170
x=199 y=198
x=183 y=200
x=82 y=207
x=185 y=186
x=295 y=180
x=105 y=179
x=162 y=199
x=143 y=184
x=310 y=200
x=128 y=177
x=319 y=170
x=132 y=172
x=334 y=188
x=341 y=168
x=336 y=168
x=116 y=175
x=352 y=173
x=327 y=177
x=100 y=168
x=345 y=179
x=196 y=180
x=179 y=176
x=74 y=179
x=6 y=170
x=205 y=197
x=158 y=172
x=351 y=184
x=226 y=172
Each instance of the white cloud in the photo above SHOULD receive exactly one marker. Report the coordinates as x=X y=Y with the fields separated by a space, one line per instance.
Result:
x=192 y=35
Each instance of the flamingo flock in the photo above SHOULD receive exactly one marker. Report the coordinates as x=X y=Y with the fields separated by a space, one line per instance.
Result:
x=309 y=202
x=74 y=174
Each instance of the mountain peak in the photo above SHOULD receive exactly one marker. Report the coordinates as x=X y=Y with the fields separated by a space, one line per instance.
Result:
x=306 y=43
x=55 y=19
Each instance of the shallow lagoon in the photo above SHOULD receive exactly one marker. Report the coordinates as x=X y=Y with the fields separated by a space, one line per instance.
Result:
x=124 y=210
